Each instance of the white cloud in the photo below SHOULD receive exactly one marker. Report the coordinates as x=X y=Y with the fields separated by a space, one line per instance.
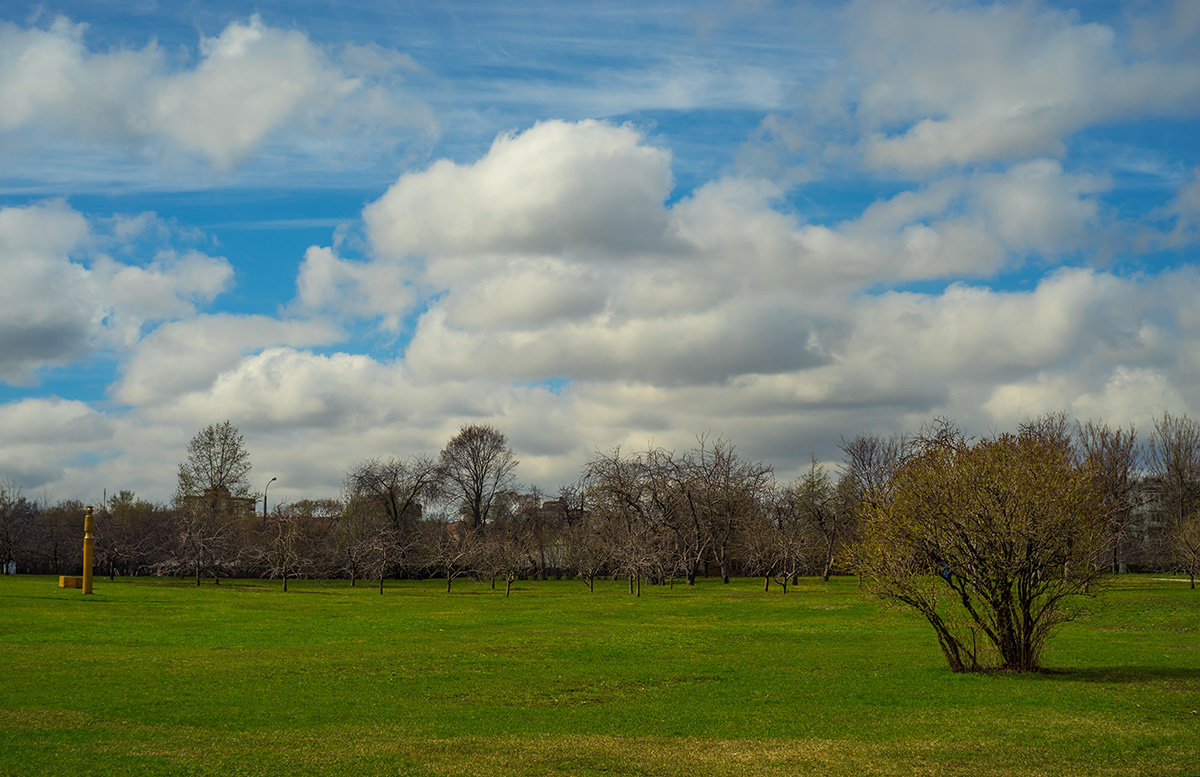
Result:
x=937 y=84
x=252 y=82
x=329 y=283
x=556 y=187
x=60 y=297
x=189 y=355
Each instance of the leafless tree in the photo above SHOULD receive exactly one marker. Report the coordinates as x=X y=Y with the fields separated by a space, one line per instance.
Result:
x=17 y=515
x=451 y=548
x=58 y=537
x=1114 y=459
x=212 y=498
x=811 y=502
x=618 y=494
x=1174 y=458
x=728 y=492
x=131 y=533
x=869 y=461
x=476 y=467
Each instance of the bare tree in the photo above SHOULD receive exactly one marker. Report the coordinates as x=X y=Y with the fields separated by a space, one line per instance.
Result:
x=476 y=467
x=452 y=548
x=17 y=515
x=212 y=498
x=131 y=533
x=58 y=536
x=1114 y=459
x=811 y=502
x=1174 y=458
x=618 y=496
x=869 y=461
x=389 y=497
x=728 y=492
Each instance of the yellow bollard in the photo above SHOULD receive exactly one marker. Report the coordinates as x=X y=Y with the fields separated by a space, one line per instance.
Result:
x=87 y=551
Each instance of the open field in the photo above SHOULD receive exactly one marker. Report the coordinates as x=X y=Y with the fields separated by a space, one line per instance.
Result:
x=158 y=677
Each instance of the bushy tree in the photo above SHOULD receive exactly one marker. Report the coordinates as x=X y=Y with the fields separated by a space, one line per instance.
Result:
x=991 y=541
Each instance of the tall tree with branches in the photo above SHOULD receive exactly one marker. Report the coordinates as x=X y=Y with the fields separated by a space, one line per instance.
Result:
x=213 y=486
x=476 y=467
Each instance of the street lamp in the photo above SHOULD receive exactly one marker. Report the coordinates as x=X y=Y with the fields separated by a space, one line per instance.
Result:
x=268 y=485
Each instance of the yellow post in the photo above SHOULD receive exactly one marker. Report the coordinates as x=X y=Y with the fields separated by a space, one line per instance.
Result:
x=87 y=551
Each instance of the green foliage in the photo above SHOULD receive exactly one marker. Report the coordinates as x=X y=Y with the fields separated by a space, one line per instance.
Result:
x=152 y=677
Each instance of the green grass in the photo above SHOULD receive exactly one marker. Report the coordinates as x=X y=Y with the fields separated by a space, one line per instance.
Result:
x=160 y=678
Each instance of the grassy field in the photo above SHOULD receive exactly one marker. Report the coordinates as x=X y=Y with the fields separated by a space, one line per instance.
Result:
x=157 y=677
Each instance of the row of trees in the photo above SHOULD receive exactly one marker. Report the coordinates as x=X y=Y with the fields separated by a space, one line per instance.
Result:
x=989 y=539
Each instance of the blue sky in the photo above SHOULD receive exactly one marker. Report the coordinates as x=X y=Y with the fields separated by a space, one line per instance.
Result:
x=352 y=228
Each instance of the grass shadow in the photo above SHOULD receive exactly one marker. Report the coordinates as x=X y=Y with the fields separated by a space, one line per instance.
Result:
x=1125 y=674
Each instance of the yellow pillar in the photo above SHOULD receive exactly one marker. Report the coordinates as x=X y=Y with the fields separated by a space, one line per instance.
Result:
x=87 y=551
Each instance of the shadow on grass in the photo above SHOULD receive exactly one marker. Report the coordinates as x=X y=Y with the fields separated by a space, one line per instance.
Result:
x=1125 y=674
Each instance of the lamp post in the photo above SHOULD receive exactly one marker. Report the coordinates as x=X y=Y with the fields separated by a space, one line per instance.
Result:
x=268 y=485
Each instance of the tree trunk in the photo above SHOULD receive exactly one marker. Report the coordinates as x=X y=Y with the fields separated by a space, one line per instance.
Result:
x=507 y=586
x=381 y=585
x=285 y=583
x=448 y=579
x=197 y=574
x=592 y=583
x=724 y=573
x=766 y=583
x=631 y=584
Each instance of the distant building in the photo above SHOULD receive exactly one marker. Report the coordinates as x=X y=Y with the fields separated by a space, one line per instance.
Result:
x=221 y=503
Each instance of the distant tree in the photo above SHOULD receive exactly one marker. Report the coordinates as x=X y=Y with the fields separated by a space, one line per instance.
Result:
x=1114 y=459
x=131 y=533
x=58 y=537
x=619 y=496
x=17 y=516
x=476 y=467
x=735 y=491
x=869 y=461
x=451 y=548
x=212 y=498
x=284 y=552
x=1174 y=458
x=812 y=501
x=990 y=541
x=396 y=487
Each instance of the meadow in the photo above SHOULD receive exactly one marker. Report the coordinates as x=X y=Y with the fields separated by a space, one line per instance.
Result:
x=157 y=677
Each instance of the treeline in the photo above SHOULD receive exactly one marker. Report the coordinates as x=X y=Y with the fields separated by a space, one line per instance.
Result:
x=649 y=516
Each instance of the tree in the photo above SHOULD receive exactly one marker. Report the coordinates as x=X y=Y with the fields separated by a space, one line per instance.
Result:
x=389 y=497
x=812 y=502
x=989 y=541
x=58 y=537
x=477 y=466
x=212 y=497
x=131 y=533
x=17 y=515
x=1114 y=458
x=1174 y=458
x=618 y=494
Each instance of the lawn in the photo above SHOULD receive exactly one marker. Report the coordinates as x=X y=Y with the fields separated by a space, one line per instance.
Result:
x=158 y=677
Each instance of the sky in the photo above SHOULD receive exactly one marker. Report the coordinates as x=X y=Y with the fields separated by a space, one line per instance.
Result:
x=352 y=228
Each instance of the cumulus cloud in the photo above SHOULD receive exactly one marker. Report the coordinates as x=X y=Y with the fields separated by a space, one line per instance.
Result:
x=61 y=295
x=1023 y=79
x=183 y=356
x=924 y=86
x=42 y=437
x=555 y=187
x=251 y=82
